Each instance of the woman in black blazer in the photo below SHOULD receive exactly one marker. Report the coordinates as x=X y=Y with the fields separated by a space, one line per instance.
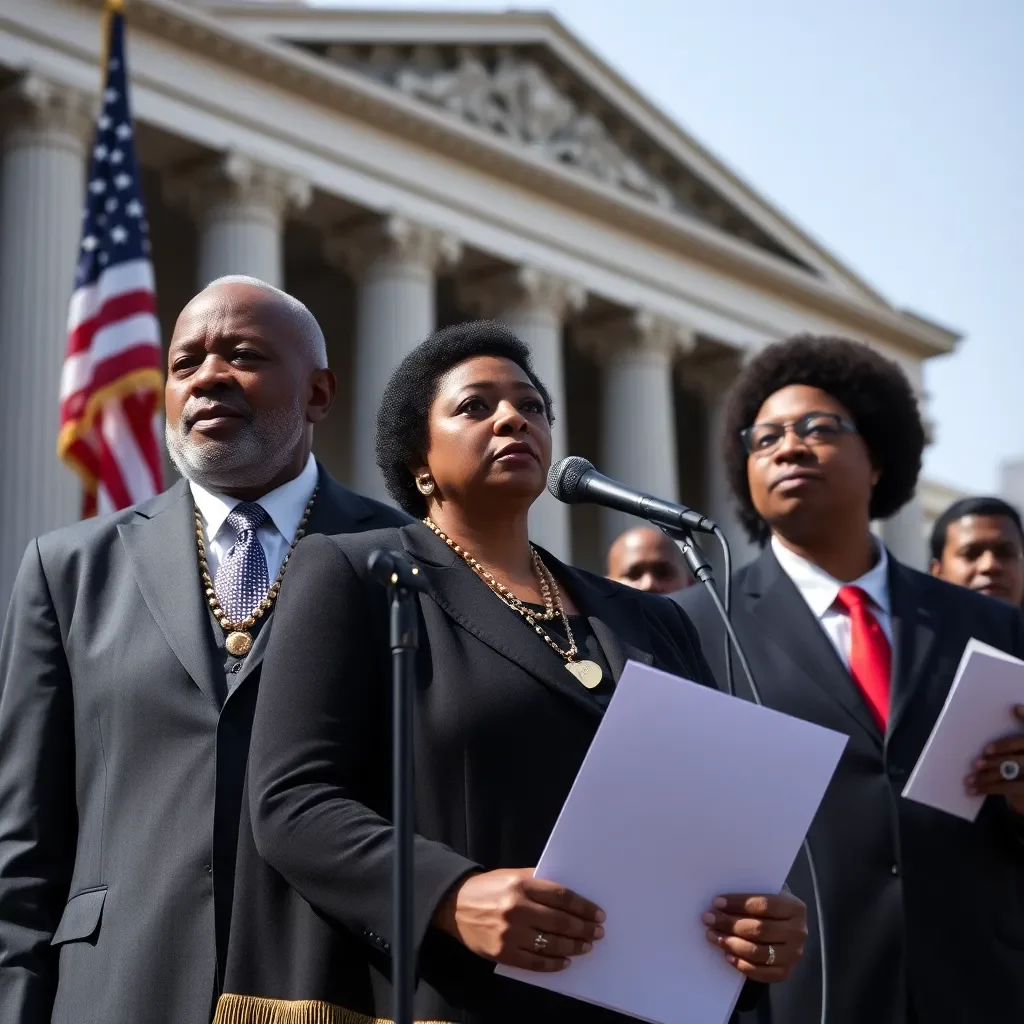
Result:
x=518 y=658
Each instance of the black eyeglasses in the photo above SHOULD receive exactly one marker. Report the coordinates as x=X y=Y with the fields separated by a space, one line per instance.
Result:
x=814 y=429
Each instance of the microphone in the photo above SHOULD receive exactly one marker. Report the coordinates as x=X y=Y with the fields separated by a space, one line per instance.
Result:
x=392 y=568
x=575 y=480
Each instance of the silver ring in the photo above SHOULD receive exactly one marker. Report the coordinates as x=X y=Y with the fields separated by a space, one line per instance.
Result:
x=1010 y=770
x=540 y=943
x=771 y=956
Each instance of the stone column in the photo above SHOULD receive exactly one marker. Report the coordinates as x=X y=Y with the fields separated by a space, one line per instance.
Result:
x=535 y=304
x=638 y=422
x=42 y=192
x=240 y=206
x=395 y=262
x=720 y=505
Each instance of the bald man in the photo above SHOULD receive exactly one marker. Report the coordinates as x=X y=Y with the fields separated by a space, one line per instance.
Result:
x=645 y=559
x=129 y=669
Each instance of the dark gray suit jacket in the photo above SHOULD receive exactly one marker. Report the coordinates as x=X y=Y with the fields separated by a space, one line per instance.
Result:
x=924 y=913
x=121 y=768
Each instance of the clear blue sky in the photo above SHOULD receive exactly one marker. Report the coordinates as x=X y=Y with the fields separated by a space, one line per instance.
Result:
x=892 y=131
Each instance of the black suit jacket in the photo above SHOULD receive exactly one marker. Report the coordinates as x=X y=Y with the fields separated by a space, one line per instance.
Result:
x=919 y=906
x=501 y=731
x=120 y=772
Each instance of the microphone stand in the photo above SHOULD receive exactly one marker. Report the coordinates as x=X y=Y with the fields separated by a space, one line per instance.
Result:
x=698 y=564
x=402 y=581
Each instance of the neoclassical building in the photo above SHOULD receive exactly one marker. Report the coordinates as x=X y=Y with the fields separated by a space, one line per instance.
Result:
x=400 y=171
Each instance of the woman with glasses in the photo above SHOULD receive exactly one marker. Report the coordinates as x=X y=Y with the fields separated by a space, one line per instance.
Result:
x=923 y=912
x=519 y=656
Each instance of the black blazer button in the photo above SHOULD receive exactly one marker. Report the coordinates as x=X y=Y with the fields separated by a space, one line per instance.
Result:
x=895 y=869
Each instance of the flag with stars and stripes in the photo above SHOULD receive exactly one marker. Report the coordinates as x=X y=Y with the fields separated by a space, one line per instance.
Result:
x=111 y=383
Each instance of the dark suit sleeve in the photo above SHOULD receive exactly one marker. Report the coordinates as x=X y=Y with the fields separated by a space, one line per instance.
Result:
x=38 y=820
x=320 y=745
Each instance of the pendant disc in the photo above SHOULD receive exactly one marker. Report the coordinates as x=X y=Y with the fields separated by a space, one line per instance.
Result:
x=238 y=644
x=587 y=672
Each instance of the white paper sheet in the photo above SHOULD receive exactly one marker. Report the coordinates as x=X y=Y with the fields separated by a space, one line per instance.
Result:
x=978 y=710
x=685 y=794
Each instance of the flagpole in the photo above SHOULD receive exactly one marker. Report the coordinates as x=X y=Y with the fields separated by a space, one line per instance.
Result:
x=110 y=8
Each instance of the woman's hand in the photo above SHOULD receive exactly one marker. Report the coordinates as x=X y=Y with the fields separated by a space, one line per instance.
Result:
x=992 y=771
x=521 y=921
x=763 y=937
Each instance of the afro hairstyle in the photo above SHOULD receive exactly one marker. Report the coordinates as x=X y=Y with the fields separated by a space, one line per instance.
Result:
x=874 y=389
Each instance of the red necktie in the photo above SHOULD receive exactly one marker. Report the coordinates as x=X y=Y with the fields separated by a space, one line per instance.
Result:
x=870 y=653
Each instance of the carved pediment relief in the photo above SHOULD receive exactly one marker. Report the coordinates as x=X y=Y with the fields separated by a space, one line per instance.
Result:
x=523 y=95
x=517 y=99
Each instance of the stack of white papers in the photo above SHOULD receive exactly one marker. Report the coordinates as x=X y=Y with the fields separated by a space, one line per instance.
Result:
x=685 y=794
x=978 y=710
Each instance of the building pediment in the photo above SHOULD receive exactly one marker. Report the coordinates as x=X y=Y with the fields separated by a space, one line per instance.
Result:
x=511 y=94
x=523 y=95
x=517 y=95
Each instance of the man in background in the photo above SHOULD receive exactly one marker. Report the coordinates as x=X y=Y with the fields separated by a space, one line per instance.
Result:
x=645 y=559
x=978 y=543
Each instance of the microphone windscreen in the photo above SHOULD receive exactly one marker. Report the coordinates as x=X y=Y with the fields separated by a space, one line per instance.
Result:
x=564 y=477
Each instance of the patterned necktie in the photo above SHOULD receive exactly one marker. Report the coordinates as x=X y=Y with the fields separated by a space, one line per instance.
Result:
x=242 y=580
x=870 y=653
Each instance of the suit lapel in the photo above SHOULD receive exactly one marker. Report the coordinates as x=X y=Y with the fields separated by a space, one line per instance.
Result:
x=916 y=626
x=790 y=629
x=161 y=546
x=336 y=510
x=457 y=590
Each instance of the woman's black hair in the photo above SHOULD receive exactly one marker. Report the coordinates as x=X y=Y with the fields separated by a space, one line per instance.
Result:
x=874 y=390
x=402 y=434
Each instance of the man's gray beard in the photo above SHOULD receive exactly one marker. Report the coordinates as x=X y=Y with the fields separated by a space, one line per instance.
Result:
x=257 y=454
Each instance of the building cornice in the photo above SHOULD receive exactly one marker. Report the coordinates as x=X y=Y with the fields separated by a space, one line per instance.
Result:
x=223 y=41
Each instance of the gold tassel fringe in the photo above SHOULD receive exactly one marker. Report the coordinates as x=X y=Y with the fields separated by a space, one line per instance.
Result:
x=232 y=1009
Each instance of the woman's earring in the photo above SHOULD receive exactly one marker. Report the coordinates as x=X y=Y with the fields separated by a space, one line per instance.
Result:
x=425 y=485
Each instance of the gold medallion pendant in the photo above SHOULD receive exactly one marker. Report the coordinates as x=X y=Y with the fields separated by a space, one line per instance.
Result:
x=238 y=644
x=587 y=672
x=239 y=639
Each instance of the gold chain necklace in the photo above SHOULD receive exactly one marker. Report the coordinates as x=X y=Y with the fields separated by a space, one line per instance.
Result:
x=239 y=641
x=586 y=672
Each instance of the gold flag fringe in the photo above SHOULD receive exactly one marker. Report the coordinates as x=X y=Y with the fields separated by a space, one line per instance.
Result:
x=232 y=1009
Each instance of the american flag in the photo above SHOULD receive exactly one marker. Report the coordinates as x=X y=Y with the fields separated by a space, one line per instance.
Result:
x=111 y=383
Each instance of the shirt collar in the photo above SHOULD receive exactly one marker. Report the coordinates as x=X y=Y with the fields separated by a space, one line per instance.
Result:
x=820 y=590
x=284 y=504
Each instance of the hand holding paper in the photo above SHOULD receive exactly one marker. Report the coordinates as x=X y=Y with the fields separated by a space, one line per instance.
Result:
x=1000 y=769
x=762 y=936
x=977 y=717
x=513 y=918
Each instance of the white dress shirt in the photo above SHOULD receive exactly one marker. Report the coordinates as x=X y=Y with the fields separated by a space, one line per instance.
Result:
x=284 y=505
x=820 y=591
